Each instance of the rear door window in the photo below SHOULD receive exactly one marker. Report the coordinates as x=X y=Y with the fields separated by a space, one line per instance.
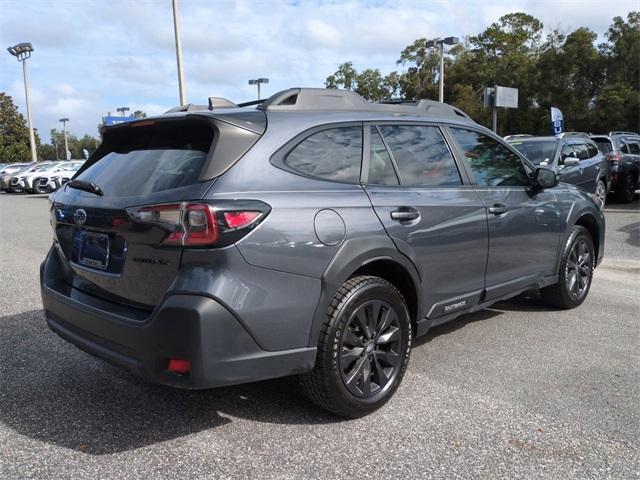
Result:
x=422 y=155
x=593 y=150
x=381 y=170
x=581 y=151
x=153 y=158
x=332 y=154
x=634 y=146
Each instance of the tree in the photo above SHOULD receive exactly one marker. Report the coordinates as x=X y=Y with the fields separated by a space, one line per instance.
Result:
x=14 y=133
x=344 y=77
x=139 y=114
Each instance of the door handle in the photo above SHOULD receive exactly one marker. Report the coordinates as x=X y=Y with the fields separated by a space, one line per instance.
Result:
x=498 y=209
x=405 y=214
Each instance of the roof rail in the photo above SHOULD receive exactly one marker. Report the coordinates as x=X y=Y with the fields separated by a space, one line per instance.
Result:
x=189 y=107
x=573 y=134
x=623 y=133
x=329 y=99
x=517 y=135
x=220 y=102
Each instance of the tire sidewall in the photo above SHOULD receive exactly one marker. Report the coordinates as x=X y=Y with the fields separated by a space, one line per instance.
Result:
x=382 y=291
x=578 y=233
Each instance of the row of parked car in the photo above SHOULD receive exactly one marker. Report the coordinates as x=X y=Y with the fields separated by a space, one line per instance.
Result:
x=38 y=177
x=601 y=164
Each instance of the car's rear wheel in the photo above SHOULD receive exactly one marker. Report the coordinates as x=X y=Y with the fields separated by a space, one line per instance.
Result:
x=601 y=193
x=363 y=350
x=627 y=191
x=576 y=271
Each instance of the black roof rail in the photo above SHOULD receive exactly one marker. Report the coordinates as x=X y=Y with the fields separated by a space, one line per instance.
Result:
x=623 y=133
x=329 y=99
x=189 y=107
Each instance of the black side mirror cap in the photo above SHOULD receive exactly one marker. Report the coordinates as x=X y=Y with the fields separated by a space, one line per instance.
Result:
x=547 y=177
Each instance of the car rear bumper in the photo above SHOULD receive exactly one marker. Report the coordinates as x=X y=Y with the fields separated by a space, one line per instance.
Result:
x=192 y=327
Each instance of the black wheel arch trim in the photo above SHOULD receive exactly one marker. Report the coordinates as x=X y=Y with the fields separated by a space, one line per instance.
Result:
x=352 y=255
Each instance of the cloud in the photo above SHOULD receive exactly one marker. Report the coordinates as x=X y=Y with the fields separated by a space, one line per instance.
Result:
x=92 y=56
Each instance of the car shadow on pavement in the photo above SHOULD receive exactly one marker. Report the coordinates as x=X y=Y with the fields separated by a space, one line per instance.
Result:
x=52 y=392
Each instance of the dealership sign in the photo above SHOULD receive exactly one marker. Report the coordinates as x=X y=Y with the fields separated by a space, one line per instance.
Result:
x=115 y=120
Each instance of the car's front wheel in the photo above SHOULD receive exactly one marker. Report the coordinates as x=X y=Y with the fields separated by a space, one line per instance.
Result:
x=576 y=271
x=363 y=350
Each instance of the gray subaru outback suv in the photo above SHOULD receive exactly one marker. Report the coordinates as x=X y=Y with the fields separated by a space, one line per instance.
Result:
x=315 y=234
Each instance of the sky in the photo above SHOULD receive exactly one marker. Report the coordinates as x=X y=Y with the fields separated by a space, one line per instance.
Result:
x=92 y=57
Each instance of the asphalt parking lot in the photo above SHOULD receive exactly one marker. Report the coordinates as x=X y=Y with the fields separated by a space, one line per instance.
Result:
x=517 y=391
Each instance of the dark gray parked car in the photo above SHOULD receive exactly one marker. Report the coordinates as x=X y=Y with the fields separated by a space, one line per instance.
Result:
x=317 y=234
x=622 y=150
x=575 y=156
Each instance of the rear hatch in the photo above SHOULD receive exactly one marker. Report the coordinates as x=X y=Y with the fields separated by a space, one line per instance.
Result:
x=108 y=251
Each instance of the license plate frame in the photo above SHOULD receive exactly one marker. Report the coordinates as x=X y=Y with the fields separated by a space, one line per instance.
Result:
x=94 y=250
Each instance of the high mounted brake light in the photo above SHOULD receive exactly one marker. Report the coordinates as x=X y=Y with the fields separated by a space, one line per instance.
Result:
x=191 y=224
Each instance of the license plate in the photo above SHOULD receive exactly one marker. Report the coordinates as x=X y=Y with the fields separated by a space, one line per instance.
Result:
x=94 y=250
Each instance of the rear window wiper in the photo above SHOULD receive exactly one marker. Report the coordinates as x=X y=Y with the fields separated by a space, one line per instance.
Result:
x=86 y=186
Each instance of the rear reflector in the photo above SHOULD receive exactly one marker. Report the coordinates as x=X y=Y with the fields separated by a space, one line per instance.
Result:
x=240 y=219
x=179 y=365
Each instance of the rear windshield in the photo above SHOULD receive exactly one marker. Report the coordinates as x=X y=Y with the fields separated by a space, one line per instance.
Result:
x=538 y=152
x=604 y=145
x=151 y=158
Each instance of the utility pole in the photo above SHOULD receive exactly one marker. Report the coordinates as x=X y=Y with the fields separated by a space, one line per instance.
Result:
x=22 y=52
x=176 y=30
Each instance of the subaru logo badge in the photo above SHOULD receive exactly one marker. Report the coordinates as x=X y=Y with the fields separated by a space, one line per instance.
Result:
x=80 y=216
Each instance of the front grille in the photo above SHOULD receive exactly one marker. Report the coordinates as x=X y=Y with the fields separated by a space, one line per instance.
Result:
x=42 y=182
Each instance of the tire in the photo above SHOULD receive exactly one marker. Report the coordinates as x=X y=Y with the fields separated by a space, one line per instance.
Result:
x=627 y=190
x=363 y=350
x=601 y=193
x=578 y=257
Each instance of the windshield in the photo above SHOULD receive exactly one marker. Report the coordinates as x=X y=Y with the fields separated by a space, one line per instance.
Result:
x=538 y=152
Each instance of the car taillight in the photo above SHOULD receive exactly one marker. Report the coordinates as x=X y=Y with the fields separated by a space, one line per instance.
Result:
x=193 y=224
x=614 y=158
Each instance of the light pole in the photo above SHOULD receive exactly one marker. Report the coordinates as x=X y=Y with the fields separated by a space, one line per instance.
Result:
x=258 y=81
x=176 y=30
x=22 y=51
x=123 y=110
x=64 y=130
x=437 y=42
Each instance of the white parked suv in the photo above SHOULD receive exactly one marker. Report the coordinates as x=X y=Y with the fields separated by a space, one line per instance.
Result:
x=51 y=180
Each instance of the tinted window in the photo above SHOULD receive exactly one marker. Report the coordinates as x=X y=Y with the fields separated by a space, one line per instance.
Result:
x=593 y=150
x=381 y=171
x=421 y=154
x=492 y=163
x=634 y=148
x=581 y=151
x=148 y=159
x=624 y=148
x=604 y=145
x=538 y=152
x=332 y=154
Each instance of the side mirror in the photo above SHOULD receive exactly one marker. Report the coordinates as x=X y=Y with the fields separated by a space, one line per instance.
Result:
x=571 y=161
x=547 y=178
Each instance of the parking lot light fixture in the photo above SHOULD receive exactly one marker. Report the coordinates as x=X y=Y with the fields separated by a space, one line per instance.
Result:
x=64 y=130
x=123 y=110
x=258 y=82
x=22 y=51
x=437 y=42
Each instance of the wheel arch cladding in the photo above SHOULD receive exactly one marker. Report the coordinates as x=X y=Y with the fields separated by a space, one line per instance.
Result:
x=589 y=222
x=368 y=256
